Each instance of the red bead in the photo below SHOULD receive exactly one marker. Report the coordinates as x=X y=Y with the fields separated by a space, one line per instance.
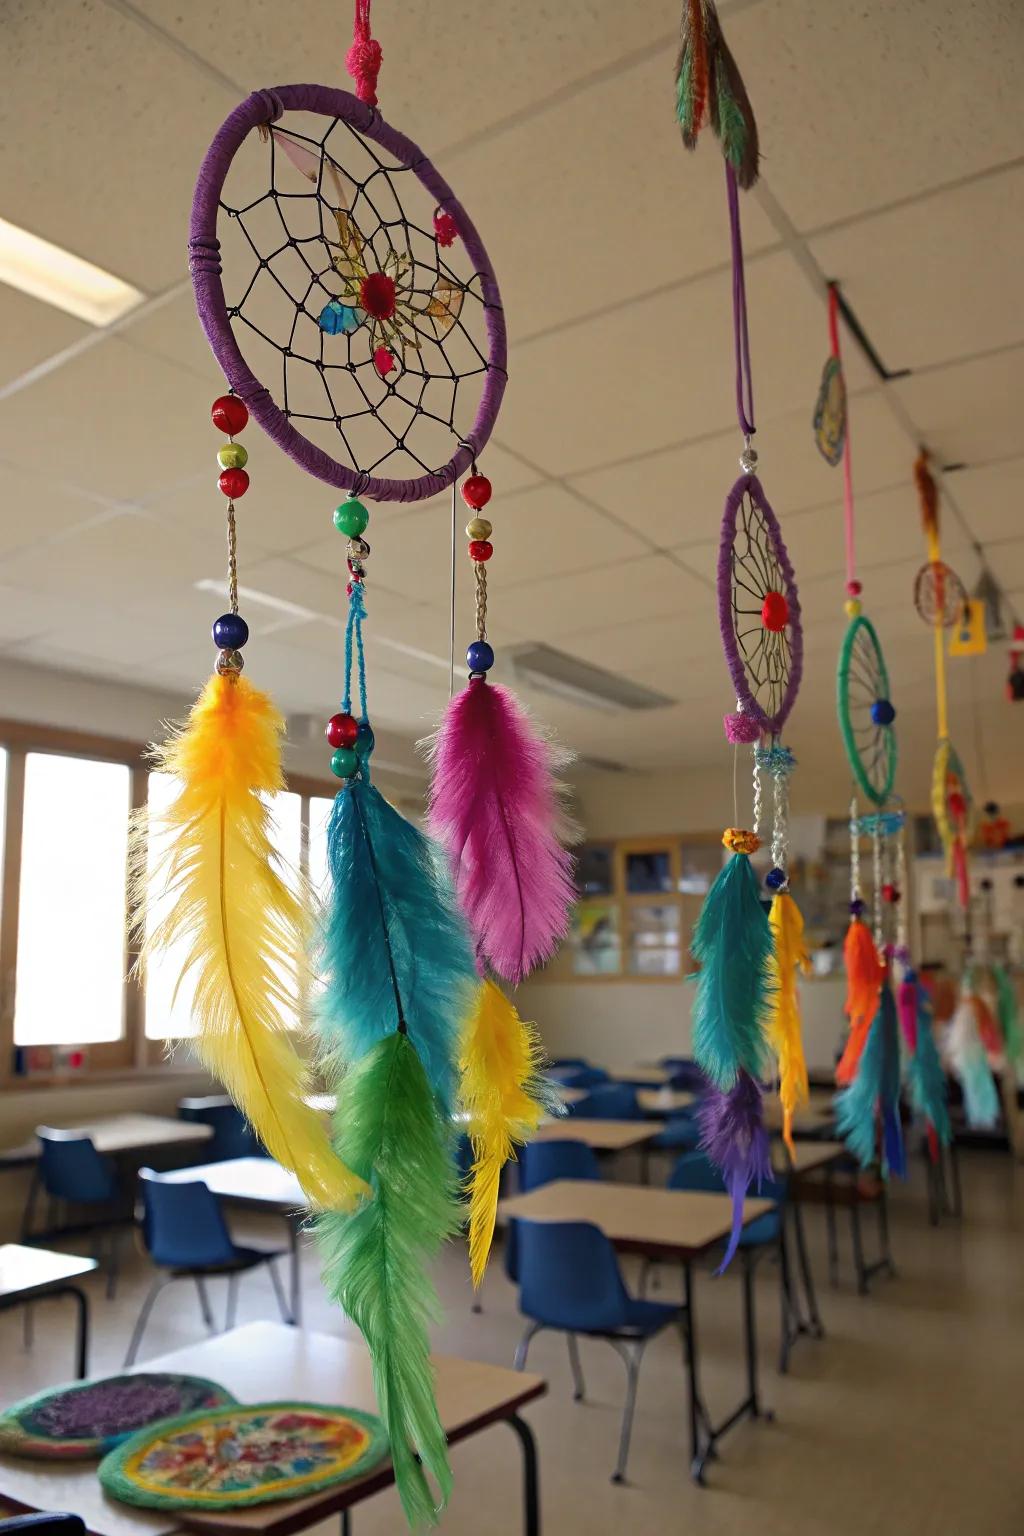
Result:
x=853 y=589
x=377 y=295
x=957 y=806
x=890 y=892
x=348 y=590
x=480 y=549
x=445 y=228
x=384 y=361
x=229 y=414
x=774 y=612
x=234 y=483
x=341 y=730
x=476 y=492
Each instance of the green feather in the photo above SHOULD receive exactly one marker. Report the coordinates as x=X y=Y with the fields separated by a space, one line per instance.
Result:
x=731 y=125
x=1009 y=1019
x=388 y=1122
x=684 y=92
x=732 y=943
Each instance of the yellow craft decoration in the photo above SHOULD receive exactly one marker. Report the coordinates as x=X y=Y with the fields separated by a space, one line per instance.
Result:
x=783 y=1025
x=739 y=841
x=968 y=636
x=238 y=924
x=499 y=1063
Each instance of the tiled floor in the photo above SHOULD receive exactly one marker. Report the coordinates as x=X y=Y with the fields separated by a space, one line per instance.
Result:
x=905 y=1419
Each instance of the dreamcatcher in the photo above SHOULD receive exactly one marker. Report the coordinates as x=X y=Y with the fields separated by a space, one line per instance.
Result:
x=746 y=1008
x=939 y=597
x=869 y=1069
x=355 y=313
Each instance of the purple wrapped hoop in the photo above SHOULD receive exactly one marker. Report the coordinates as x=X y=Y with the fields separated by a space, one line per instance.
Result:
x=781 y=687
x=259 y=110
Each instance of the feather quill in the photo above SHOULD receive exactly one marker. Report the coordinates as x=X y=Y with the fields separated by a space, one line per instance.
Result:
x=969 y=1061
x=494 y=807
x=504 y=1097
x=871 y=1101
x=387 y=1127
x=732 y=944
x=394 y=948
x=238 y=924
x=783 y=1025
x=864 y=974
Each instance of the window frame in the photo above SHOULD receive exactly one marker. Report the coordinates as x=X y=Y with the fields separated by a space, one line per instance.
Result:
x=133 y=1052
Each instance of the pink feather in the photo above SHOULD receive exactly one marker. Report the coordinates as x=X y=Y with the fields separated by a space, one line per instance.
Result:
x=494 y=808
x=907 y=1005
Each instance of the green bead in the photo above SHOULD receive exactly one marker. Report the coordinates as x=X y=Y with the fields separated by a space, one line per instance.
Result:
x=232 y=456
x=344 y=762
x=351 y=518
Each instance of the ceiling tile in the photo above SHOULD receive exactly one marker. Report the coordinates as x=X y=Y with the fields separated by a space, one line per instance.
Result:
x=34 y=508
x=990 y=498
x=32 y=332
x=550 y=607
x=968 y=412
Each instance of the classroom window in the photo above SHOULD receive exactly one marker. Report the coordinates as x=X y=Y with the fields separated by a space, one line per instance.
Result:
x=71 y=905
x=319 y=815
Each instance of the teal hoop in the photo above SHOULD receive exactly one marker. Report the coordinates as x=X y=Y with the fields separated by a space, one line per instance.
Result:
x=861 y=679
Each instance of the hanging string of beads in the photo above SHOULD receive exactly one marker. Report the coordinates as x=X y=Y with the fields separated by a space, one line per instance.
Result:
x=476 y=493
x=878 y=882
x=230 y=631
x=352 y=738
x=856 y=898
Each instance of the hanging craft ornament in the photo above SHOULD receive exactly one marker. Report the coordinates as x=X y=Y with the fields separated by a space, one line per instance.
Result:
x=207 y=892
x=830 y=408
x=353 y=307
x=710 y=89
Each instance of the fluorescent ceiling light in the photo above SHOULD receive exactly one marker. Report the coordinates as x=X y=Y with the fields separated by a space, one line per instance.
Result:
x=260 y=599
x=55 y=276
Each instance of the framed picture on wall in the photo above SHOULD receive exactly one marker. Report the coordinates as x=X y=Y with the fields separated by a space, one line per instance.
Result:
x=594 y=938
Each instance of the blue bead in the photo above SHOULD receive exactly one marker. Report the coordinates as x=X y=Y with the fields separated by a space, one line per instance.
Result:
x=339 y=319
x=230 y=632
x=856 y=907
x=775 y=879
x=479 y=656
x=364 y=739
x=882 y=712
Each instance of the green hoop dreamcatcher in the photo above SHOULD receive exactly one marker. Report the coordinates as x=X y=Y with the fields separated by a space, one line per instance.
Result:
x=865 y=710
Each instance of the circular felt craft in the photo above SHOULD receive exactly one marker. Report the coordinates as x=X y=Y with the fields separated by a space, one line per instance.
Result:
x=952 y=805
x=765 y=662
x=232 y=1457
x=939 y=594
x=862 y=684
x=86 y=1420
x=365 y=341
x=830 y=412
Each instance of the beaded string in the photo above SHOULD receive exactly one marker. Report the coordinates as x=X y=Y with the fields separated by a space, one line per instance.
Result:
x=230 y=631
x=451 y=610
x=476 y=493
x=757 y=794
x=876 y=870
x=353 y=739
x=855 y=896
x=779 y=762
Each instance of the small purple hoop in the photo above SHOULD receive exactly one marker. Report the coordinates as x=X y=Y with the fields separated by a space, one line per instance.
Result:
x=749 y=485
x=258 y=110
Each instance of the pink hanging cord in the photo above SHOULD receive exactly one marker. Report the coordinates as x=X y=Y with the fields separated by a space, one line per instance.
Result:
x=852 y=585
x=365 y=57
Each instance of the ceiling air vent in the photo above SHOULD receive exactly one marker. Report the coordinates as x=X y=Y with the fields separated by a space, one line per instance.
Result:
x=564 y=677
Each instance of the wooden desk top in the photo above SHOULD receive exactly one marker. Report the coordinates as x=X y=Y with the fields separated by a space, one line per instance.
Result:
x=256 y=1181
x=635 y=1216
x=649 y=1076
x=810 y=1157
x=602 y=1135
x=664 y=1101
x=268 y=1362
x=121 y=1133
x=25 y=1269
x=812 y=1118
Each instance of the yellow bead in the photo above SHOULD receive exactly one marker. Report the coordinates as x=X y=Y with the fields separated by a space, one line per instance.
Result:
x=232 y=456
x=852 y=607
x=478 y=528
x=738 y=840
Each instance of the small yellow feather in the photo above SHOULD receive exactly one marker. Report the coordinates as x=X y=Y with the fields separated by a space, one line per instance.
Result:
x=237 y=922
x=783 y=1026
x=499 y=1064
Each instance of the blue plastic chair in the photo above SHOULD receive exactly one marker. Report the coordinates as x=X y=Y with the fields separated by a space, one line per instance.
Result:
x=542 y=1162
x=561 y=1062
x=185 y=1234
x=233 y=1136
x=683 y=1073
x=680 y=1133
x=695 y=1172
x=73 y=1174
x=43 y=1525
x=608 y=1101
x=570 y=1281
x=579 y=1077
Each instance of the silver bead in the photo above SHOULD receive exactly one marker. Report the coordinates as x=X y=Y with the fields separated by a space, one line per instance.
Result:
x=230 y=663
x=748 y=460
x=358 y=549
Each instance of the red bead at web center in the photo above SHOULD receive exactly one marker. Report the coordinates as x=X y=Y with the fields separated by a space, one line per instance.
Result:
x=774 y=612
x=377 y=295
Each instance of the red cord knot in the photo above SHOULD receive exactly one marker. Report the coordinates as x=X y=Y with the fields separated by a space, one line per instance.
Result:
x=363 y=62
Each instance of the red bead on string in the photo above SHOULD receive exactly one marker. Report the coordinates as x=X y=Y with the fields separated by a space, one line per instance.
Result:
x=775 y=612
x=229 y=414
x=476 y=492
x=341 y=730
x=234 y=483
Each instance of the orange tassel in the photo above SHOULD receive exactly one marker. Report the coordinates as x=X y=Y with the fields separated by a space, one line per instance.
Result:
x=928 y=494
x=864 y=973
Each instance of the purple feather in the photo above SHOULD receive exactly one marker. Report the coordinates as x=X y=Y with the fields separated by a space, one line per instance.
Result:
x=732 y=1134
x=494 y=807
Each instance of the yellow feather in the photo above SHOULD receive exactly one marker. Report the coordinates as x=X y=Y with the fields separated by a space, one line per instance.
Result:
x=237 y=922
x=499 y=1063
x=784 y=1035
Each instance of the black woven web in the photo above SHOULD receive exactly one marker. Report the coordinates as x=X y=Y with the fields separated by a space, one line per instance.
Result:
x=286 y=257
x=865 y=685
x=766 y=654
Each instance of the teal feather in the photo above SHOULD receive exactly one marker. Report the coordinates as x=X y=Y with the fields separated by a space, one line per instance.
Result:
x=1008 y=1014
x=684 y=92
x=925 y=1076
x=387 y=1127
x=732 y=943
x=969 y=1060
x=729 y=122
x=394 y=944
x=872 y=1099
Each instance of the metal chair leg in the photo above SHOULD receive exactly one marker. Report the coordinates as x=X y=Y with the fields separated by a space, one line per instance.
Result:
x=232 y=1307
x=632 y=1359
x=143 y=1317
x=204 y=1303
x=523 y=1347
x=282 y=1304
x=578 y=1384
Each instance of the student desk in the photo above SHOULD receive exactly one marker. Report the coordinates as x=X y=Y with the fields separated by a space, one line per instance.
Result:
x=266 y=1362
x=28 y=1274
x=601 y=1135
x=663 y=1224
